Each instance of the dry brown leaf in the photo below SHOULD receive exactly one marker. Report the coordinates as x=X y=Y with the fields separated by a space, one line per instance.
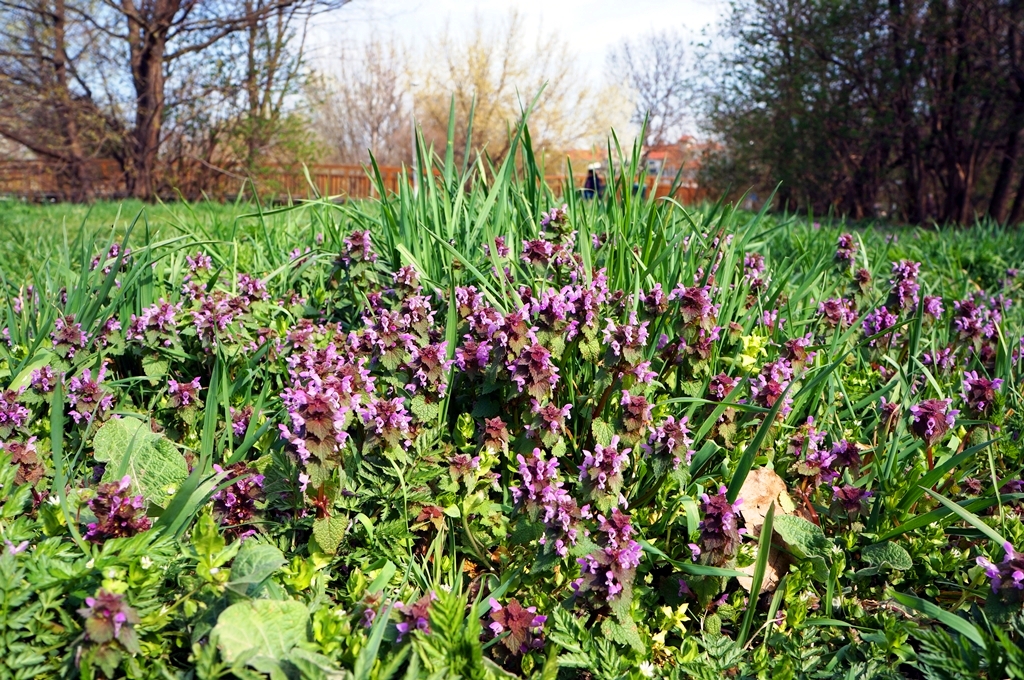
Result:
x=761 y=488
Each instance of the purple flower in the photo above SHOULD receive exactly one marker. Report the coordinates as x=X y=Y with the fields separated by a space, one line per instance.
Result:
x=389 y=420
x=768 y=387
x=183 y=393
x=429 y=367
x=415 y=616
x=501 y=249
x=846 y=250
x=851 y=498
x=979 y=393
x=1008 y=575
x=87 y=397
x=524 y=626
x=156 y=324
x=933 y=306
x=931 y=419
x=252 y=288
x=719 y=530
x=118 y=514
x=13 y=415
x=877 y=321
x=603 y=468
x=234 y=506
x=556 y=217
x=625 y=340
x=608 y=572
x=542 y=495
x=636 y=412
x=240 y=420
x=407 y=277
x=199 y=262
x=549 y=419
x=671 y=441
x=943 y=358
x=838 y=312
x=695 y=306
x=720 y=386
x=358 y=247
x=68 y=336
x=534 y=372
x=108 y=618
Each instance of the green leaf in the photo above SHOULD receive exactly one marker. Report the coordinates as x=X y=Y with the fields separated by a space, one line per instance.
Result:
x=423 y=409
x=969 y=517
x=887 y=553
x=946 y=618
x=130 y=448
x=267 y=629
x=807 y=541
x=624 y=634
x=329 y=532
x=603 y=432
x=253 y=564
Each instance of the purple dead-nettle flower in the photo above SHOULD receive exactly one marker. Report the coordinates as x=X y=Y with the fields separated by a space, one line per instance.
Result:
x=390 y=420
x=694 y=555
x=943 y=359
x=812 y=460
x=26 y=457
x=252 y=288
x=473 y=356
x=199 y=262
x=501 y=249
x=234 y=506
x=609 y=571
x=119 y=514
x=904 y=284
x=68 y=336
x=625 y=340
x=975 y=320
x=463 y=464
x=87 y=397
x=838 y=312
x=156 y=323
x=719 y=530
x=556 y=217
x=183 y=393
x=549 y=419
x=212 y=318
x=318 y=416
x=429 y=366
x=108 y=618
x=637 y=412
x=846 y=250
x=1008 y=575
x=111 y=259
x=933 y=306
x=877 y=321
x=469 y=301
x=534 y=372
x=642 y=373
x=846 y=454
x=797 y=350
x=853 y=499
x=419 y=313
x=862 y=280
x=602 y=469
x=554 y=310
x=358 y=247
x=415 y=616
x=753 y=265
x=13 y=550
x=771 y=383
x=539 y=251
x=524 y=627
x=656 y=301
x=13 y=414
x=516 y=331
x=720 y=386
x=496 y=436
x=240 y=420
x=770 y=319
x=695 y=305
x=408 y=278
x=108 y=333
x=671 y=440
x=979 y=393
x=542 y=495
x=931 y=419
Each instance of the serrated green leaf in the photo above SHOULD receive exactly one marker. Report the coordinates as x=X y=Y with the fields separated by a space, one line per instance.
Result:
x=129 y=447
x=253 y=564
x=329 y=532
x=266 y=629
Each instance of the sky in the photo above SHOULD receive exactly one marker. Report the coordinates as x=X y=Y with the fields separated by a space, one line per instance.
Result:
x=590 y=27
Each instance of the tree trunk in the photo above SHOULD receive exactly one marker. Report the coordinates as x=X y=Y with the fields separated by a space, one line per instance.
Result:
x=147 y=46
x=74 y=159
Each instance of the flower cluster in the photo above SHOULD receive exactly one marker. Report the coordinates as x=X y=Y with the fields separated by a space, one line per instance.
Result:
x=719 y=530
x=607 y=573
x=522 y=626
x=234 y=506
x=118 y=513
x=108 y=618
x=931 y=419
x=979 y=393
x=87 y=397
x=1008 y=575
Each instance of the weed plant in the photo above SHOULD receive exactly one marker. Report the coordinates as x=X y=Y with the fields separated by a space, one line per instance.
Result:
x=471 y=431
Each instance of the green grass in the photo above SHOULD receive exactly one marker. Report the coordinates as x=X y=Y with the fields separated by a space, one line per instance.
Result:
x=356 y=526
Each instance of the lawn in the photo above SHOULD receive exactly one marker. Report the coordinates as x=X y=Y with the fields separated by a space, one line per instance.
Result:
x=474 y=432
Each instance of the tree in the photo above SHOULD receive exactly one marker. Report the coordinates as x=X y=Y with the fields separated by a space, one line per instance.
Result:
x=911 y=108
x=496 y=73
x=656 y=69
x=362 y=107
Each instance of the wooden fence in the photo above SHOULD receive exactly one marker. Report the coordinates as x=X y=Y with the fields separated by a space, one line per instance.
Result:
x=42 y=181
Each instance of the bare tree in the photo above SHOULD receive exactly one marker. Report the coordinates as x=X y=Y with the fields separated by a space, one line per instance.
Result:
x=362 y=107
x=45 y=104
x=656 y=68
x=497 y=72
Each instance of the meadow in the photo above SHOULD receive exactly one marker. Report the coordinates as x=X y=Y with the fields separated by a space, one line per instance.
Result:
x=476 y=431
